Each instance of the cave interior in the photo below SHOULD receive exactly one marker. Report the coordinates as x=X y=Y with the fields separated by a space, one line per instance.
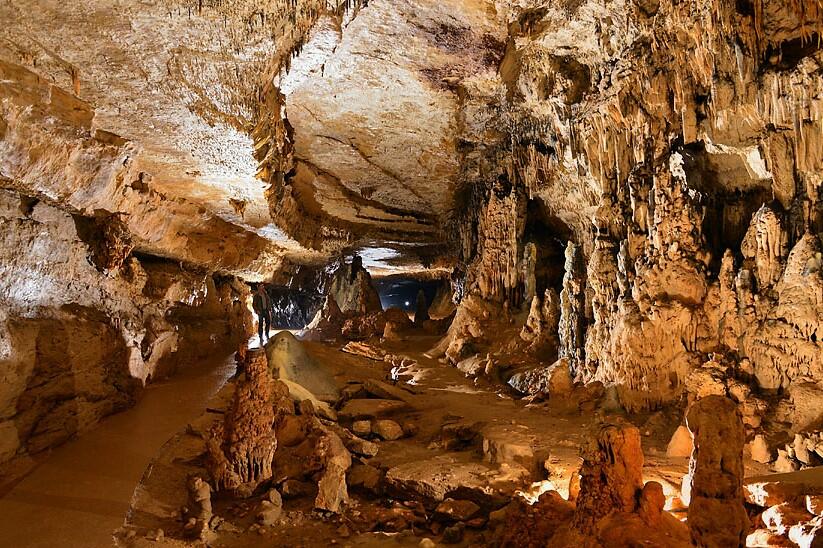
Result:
x=411 y=272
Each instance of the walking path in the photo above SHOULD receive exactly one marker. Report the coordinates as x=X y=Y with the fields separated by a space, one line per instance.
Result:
x=79 y=495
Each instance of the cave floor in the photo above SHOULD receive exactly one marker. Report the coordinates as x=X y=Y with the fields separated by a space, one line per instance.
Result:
x=512 y=433
x=79 y=494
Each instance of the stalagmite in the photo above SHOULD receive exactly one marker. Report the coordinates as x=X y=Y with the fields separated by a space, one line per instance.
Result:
x=716 y=513
x=611 y=476
x=421 y=309
x=570 y=328
x=241 y=449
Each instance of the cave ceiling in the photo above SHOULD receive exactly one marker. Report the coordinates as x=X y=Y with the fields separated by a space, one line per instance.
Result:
x=370 y=94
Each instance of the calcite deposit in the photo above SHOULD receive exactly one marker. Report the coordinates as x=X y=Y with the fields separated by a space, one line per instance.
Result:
x=241 y=450
x=715 y=480
x=508 y=247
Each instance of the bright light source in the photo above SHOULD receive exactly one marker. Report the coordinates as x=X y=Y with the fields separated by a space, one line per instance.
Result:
x=407 y=303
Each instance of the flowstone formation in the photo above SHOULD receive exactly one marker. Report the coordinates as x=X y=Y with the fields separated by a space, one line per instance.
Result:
x=241 y=450
x=287 y=360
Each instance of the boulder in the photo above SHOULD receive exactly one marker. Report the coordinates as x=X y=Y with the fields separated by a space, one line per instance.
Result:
x=364 y=349
x=365 y=477
x=508 y=444
x=774 y=489
x=453 y=534
x=370 y=409
x=359 y=328
x=681 y=443
x=355 y=444
x=814 y=504
x=781 y=517
x=766 y=538
x=553 y=380
x=380 y=389
x=269 y=512
x=387 y=429
x=808 y=534
x=361 y=428
x=456 y=510
x=434 y=479
x=291 y=430
x=474 y=366
x=292 y=488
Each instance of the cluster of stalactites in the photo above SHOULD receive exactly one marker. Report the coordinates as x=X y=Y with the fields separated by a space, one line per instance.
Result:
x=694 y=84
x=497 y=273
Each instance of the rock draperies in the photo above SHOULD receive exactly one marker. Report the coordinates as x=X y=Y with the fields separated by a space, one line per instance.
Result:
x=496 y=273
x=657 y=144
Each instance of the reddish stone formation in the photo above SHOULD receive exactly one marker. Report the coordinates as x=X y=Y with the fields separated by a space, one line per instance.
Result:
x=717 y=517
x=612 y=508
x=241 y=449
x=531 y=526
x=610 y=477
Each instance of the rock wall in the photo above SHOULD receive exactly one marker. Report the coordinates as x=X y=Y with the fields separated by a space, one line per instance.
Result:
x=83 y=326
x=676 y=145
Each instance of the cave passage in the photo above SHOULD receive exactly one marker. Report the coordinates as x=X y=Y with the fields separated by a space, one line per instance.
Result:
x=399 y=292
x=540 y=274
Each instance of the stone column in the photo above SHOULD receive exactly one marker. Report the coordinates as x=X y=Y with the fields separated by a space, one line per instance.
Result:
x=717 y=517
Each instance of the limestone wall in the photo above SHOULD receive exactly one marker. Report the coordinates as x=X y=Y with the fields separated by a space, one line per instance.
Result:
x=78 y=340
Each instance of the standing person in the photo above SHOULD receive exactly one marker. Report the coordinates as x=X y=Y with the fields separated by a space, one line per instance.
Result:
x=262 y=307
